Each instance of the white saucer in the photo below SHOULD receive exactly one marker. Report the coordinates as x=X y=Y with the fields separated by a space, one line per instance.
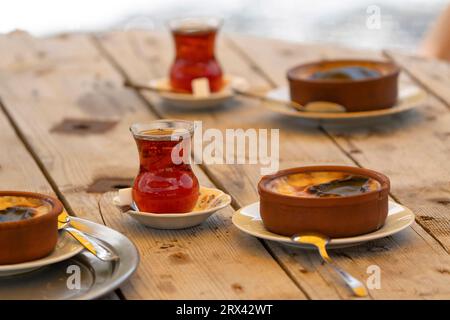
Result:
x=410 y=97
x=248 y=220
x=184 y=100
x=169 y=221
x=66 y=248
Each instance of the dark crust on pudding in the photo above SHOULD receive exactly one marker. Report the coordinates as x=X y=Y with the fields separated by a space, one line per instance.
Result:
x=33 y=238
x=335 y=217
x=322 y=184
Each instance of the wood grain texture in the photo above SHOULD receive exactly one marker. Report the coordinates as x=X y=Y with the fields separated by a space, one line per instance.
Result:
x=61 y=92
x=432 y=195
x=405 y=147
x=399 y=257
x=18 y=170
x=433 y=75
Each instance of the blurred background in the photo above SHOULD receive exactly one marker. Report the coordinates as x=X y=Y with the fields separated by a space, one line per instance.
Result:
x=402 y=22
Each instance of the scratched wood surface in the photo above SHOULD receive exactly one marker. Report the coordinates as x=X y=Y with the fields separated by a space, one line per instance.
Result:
x=142 y=56
x=65 y=98
x=69 y=104
x=20 y=167
x=406 y=147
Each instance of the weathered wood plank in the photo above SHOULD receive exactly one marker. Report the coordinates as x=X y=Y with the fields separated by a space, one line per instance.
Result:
x=404 y=147
x=415 y=158
x=18 y=170
x=299 y=146
x=434 y=75
x=380 y=143
x=70 y=105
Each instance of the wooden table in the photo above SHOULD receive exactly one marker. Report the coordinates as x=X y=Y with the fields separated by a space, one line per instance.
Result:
x=64 y=122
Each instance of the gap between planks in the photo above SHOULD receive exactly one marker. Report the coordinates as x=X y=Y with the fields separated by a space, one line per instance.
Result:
x=417 y=80
x=424 y=227
x=204 y=168
x=36 y=159
x=427 y=88
x=76 y=189
x=113 y=295
x=252 y=66
x=272 y=83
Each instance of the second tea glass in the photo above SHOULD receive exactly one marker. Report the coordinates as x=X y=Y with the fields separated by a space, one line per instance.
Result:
x=195 y=53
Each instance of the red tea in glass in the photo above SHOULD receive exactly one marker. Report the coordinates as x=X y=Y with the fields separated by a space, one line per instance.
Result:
x=194 y=57
x=165 y=182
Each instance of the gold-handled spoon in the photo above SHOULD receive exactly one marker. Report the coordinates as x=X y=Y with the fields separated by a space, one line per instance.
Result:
x=315 y=106
x=87 y=241
x=320 y=242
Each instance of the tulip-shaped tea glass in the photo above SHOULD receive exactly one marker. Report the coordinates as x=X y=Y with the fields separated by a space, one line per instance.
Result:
x=165 y=182
x=194 y=53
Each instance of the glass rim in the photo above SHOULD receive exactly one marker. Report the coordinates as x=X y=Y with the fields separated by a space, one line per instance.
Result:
x=182 y=129
x=214 y=22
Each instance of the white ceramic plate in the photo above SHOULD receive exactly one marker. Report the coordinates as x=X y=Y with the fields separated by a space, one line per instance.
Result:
x=409 y=97
x=202 y=212
x=189 y=101
x=248 y=220
x=66 y=248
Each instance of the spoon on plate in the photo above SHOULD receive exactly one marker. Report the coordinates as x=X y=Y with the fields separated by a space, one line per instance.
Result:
x=316 y=106
x=320 y=242
x=87 y=241
x=138 y=86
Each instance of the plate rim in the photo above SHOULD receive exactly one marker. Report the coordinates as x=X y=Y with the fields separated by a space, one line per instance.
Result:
x=45 y=261
x=182 y=215
x=333 y=242
x=120 y=275
x=224 y=94
x=397 y=108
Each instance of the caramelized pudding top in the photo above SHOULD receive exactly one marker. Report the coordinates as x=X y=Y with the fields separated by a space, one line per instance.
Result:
x=14 y=208
x=345 y=73
x=323 y=184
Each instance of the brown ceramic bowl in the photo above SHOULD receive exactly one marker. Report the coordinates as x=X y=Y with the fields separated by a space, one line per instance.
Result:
x=336 y=217
x=374 y=93
x=32 y=238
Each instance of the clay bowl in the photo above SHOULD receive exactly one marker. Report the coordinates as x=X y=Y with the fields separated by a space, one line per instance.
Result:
x=31 y=238
x=366 y=94
x=336 y=217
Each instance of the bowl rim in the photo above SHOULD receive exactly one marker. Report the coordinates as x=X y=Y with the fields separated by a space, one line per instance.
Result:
x=57 y=208
x=334 y=201
x=395 y=70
